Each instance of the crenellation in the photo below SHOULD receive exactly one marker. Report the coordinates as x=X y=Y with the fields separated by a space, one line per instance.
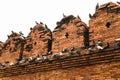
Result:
x=72 y=51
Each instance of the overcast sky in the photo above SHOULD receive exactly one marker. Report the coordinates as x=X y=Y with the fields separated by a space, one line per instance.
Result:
x=20 y=15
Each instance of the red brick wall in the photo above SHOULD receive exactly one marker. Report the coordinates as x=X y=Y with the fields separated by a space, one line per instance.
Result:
x=109 y=71
x=38 y=38
x=75 y=29
x=109 y=12
x=11 y=48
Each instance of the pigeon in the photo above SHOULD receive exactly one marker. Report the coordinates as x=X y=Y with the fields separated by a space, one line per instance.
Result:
x=36 y=22
x=64 y=15
x=118 y=2
x=97 y=6
x=90 y=16
x=78 y=17
x=21 y=33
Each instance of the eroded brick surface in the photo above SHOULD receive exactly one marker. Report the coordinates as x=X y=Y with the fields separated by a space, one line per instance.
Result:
x=109 y=71
x=68 y=34
x=37 y=40
x=104 y=24
x=11 y=48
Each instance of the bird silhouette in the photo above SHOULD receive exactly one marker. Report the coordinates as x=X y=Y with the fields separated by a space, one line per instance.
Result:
x=118 y=2
x=90 y=16
x=46 y=26
x=31 y=28
x=64 y=15
x=36 y=22
x=41 y=22
x=78 y=17
x=12 y=32
x=97 y=6
x=21 y=33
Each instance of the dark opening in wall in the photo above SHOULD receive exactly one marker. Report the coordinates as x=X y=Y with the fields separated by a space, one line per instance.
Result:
x=66 y=34
x=35 y=43
x=86 y=38
x=10 y=49
x=108 y=24
x=49 y=45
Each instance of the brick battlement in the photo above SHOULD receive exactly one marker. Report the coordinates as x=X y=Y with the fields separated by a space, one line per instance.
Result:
x=73 y=40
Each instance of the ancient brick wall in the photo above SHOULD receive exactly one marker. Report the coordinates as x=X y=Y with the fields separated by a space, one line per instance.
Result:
x=37 y=40
x=109 y=71
x=105 y=23
x=11 y=48
x=68 y=34
x=16 y=46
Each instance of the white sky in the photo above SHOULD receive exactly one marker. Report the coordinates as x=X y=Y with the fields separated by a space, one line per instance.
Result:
x=20 y=15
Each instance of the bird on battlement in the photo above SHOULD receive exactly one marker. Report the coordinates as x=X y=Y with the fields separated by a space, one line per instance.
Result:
x=8 y=36
x=21 y=33
x=41 y=22
x=12 y=32
x=97 y=6
x=118 y=2
x=78 y=17
x=46 y=26
x=64 y=15
x=90 y=16
x=36 y=22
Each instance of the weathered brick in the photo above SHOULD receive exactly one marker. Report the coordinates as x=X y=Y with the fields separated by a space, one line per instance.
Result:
x=74 y=29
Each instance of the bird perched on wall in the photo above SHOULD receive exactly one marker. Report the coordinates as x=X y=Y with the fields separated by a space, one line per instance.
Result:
x=21 y=33
x=97 y=6
x=31 y=28
x=36 y=22
x=90 y=16
x=118 y=2
x=64 y=15
x=41 y=22
x=78 y=17
x=12 y=32
x=46 y=27
x=58 y=23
